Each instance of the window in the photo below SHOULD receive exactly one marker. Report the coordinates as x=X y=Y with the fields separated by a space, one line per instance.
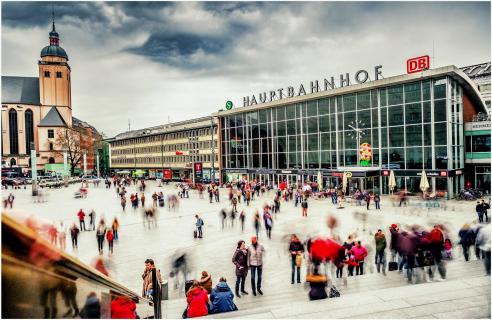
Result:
x=29 y=129
x=46 y=74
x=51 y=133
x=13 y=134
x=51 y=146
x=51 y=160
x=58 y=74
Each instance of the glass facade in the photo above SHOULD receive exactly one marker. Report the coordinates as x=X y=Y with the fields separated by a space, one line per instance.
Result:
x=411 y=126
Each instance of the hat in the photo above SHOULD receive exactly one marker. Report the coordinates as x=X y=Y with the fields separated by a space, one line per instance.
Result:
x=394 y=226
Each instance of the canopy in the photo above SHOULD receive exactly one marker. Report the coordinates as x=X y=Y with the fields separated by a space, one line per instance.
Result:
x=424 y=182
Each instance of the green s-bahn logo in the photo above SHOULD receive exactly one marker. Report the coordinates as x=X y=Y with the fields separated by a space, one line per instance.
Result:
x=229 y=105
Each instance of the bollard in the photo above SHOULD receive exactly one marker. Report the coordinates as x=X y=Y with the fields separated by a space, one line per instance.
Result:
x=165 y=290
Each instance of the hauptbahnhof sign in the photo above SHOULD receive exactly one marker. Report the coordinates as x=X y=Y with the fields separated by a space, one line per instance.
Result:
x=361 y=76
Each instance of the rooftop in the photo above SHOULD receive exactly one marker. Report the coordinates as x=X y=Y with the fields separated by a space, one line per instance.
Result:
x=21 y=90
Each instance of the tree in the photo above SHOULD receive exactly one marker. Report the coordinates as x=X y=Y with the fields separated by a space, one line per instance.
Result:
x=71 y=139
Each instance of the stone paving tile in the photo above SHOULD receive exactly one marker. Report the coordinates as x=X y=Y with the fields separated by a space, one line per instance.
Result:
x=469 y=313
x=390 y=314
x=447 y=306
x=427 y=298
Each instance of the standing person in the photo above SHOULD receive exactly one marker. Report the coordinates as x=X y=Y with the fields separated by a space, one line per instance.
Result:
x=242 y=217
x=115 y=227
x=380 y=240
x=368 y=200
x=485 y=207
x=240 y=260
x=255 y=262
x=199 y=224
x=53 y=234
x=74 y=234
x=81 y=216
x=377 y=200
x=436 y=238
x=100 y=233
x=248 y=197
x=223 y=217
x=10 y=200
x=154 y=199
x=483 y=240
x=110 y=238
x=210 y=194
x=479 y=209
x=234 y=204
x=92 y=221
x=304 y=206
x=62 y=235
x=360 y=253
x=296 y=249
x=147 y=289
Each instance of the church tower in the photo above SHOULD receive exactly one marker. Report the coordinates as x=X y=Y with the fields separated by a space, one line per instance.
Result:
x=55 y=79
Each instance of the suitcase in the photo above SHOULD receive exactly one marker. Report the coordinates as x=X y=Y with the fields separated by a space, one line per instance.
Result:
x=188 y=285
x=195 y=234
x=392 y=266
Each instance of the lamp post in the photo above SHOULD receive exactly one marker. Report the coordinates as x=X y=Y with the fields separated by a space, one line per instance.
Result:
x=97 y=162
x=212 y=170
x=85 y=162
x=65 y=165
x=34 y=170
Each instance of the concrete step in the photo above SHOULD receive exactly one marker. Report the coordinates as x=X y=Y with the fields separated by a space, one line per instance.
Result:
x=279 y=290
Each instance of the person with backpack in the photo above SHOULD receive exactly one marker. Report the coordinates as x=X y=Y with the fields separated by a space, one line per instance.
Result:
x=100 y=233
x=110 y=238
x=199 y=224
x=296 y=249
x=467 y=239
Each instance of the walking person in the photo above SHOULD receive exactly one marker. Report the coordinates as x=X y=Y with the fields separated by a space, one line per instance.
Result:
x=380 y=240
x=216 y=193
x=467 y=239
x=81 y=216
x=142 y=199
x=257 y=223
x=304 y=206
x=234 y=204
x=479 y=209
x=74 y=234
x=296 y=249
x=485 y=207
x=368 y=200
x=110 y=238
x=199 y=224
x=360 y=253
x=115 y=226
x=240 y=260
x=123 y=202
x=242 y=217
x=255 y=262
x=483 y=241
x=436 y=246
x=10 y=200
x=100 y=233
x=267 y=217
x=92 y=221
x=377 y=201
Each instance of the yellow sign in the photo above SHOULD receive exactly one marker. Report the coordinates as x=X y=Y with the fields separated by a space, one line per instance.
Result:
x=348 y=174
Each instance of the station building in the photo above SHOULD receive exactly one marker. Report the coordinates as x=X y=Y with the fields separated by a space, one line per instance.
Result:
x=407 y=124
x=170 y=151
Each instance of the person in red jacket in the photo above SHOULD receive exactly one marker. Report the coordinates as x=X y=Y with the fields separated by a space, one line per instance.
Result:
x=197 y=299
x=123 y=308
x=436 y=239
x=81 y=216
x=360 y=253
x=110 y=238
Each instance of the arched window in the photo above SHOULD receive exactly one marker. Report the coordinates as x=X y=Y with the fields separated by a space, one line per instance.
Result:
x=13 y=132
x=29 y=129
x=51 y=146
x=51 y=160
x=12 y=162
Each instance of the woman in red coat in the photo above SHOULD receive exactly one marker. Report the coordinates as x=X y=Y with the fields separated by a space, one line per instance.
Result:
x=123 y=308
x=197 y=299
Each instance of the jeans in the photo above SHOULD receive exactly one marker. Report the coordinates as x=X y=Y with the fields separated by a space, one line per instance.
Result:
x=200 y=233
x=240 y=280
x=82 y=225
x=339 y=272
x=269 y=232
x=110 y=246
x=359 y=269
x=92 y=225
x=294 y=267
x=74 y=242
x=256 y=284
x=487 y=262
x=100 y=241
x=377 y=204
x=466 y=251
x=380 y=261
x=115 y=233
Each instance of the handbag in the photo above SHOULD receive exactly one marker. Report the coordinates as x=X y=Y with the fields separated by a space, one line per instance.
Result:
x=334 y=293
x=298 y=260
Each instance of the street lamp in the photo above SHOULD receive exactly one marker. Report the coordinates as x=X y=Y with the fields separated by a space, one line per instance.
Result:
x=34 y=170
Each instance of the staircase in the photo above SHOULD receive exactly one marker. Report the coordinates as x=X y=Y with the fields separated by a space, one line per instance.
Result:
x=464 y=294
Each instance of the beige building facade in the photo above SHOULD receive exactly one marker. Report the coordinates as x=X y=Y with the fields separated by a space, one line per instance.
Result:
x=173 y=148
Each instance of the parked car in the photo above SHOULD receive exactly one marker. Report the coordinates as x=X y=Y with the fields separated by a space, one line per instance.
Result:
x=89 y=178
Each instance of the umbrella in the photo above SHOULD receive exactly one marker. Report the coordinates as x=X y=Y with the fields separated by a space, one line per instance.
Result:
x=325 y=249
x=344 y=182
x=392 y=181
x=424 y=182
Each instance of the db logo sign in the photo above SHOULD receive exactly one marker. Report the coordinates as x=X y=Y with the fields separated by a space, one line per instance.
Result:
x=418 y=64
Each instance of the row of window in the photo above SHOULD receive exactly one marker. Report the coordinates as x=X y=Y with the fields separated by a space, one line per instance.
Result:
x=166 y=159
x=164 y=137
x=174 y=147
x=47 y=74
x=14 y=130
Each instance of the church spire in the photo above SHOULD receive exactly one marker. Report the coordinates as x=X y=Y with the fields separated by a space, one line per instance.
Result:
x=54 y=37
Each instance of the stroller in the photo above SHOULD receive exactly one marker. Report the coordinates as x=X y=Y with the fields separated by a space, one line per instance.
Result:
x=82 y=193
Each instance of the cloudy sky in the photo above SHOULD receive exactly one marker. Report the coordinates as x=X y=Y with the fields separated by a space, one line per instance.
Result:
x=155 y=61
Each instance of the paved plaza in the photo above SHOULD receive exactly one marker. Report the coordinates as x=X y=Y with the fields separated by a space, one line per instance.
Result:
x=174 y=234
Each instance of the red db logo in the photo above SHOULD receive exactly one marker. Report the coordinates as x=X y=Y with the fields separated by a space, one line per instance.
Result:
x=418 y=64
